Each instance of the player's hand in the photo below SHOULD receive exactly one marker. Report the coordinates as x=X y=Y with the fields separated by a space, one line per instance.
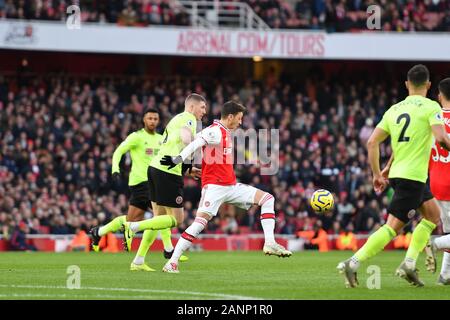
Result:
x=379 y=183
x=171 y=162
x=115 y=178
x=385 y=173
x=195 y=173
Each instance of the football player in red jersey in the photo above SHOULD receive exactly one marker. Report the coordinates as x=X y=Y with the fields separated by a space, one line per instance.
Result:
x=439 y=173
x=219 y=184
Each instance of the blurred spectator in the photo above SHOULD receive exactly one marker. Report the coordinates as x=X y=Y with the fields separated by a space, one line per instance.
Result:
x=345 y=210
x=81 y=242
x=110 y=243
x=18 y=240
x=346 y=239
x=316 y=238
x=402 y=240
x=58 y=133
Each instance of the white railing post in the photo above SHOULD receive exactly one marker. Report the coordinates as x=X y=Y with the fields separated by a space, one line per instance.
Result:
x=194 y=14
x=249 y=19
x=217 y=13
x=241 y=16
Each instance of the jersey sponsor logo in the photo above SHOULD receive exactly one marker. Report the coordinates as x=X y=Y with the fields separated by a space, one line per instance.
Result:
x=179 y=200
x=447 y=121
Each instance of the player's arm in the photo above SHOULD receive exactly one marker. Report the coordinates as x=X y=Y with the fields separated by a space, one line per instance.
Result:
x=441 y=136
x=210 y=135
x=385 y=171
x=373 y=148
x=123 y=148
x=186 y=135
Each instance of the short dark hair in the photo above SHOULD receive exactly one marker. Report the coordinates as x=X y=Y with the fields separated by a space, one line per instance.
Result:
x=151 y=110
x=444 y=88
x=196 y=97
x=418 y=75
x=231 y=107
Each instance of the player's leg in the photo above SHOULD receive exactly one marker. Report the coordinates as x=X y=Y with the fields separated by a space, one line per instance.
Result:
x=441 y=243
x=374 y=244
x=133 y=214
x=185 y=241
x=401 y=204
x=168 y=192
x=211 y=199
x=147 y=240
x=430 y=211
x=137 y=205
x=166 y=235
x=431 y=217
x=267 y=203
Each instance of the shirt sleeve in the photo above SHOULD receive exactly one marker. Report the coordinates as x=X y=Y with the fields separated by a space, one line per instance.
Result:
x=129 y=143
x=435 y=116
x=191 y=123
x=384 y=124
x=212 y=135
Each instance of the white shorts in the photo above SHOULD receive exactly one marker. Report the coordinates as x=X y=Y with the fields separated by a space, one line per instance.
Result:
x=213 y=196
x=445 y=215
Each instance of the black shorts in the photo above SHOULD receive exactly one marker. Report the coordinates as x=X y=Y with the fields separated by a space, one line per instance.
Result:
x=166 y=188
x=408 y=197
x=140 y=196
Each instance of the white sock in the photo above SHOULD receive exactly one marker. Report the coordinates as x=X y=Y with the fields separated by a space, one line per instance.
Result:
x=268 y=226
x=138 y=260
x=187 y=237
x=180 y=248
x=354 y=263
x=442 y=242
x=267 y=204
x=445 y=270
x=410 y=263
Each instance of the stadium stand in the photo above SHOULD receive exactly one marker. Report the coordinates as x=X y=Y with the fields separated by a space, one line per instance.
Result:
x=329 y=15
x=59 y=132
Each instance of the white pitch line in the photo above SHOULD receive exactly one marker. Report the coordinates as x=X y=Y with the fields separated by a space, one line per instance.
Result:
x=183 y=293
x=63 y=295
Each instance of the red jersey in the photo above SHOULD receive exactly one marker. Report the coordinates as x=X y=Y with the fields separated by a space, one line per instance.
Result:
x=217 y=159
x=440 y=166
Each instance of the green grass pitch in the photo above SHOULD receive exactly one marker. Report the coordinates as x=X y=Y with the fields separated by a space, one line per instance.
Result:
x=207 y=275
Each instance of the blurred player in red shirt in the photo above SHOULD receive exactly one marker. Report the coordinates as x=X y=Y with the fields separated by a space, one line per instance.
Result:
x=219 y=184
x=440 y=187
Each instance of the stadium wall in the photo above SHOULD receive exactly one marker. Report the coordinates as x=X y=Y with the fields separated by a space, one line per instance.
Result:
x=55 y=36
x=59 y=243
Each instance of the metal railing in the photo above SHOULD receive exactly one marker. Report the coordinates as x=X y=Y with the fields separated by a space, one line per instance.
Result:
x=223 y=14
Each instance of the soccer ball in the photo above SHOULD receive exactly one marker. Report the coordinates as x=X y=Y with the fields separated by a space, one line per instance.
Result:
x=322 y=201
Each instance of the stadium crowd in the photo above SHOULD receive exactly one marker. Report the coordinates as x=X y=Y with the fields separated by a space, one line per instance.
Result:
x=58 y=134
x=329 y=15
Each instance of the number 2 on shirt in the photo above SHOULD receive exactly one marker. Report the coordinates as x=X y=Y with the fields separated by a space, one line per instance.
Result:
x=407 y=118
